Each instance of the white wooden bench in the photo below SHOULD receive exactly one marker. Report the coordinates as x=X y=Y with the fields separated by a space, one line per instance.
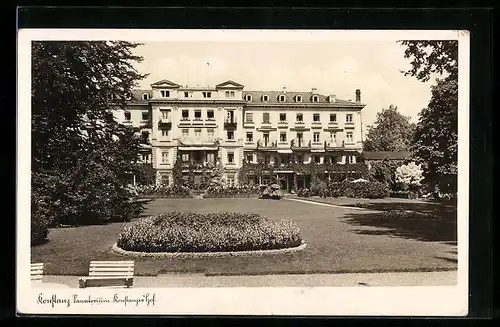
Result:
x=109 y=274
x=36 y=272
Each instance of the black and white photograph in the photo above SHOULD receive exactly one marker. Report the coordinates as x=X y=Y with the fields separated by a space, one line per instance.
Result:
x=242 y=172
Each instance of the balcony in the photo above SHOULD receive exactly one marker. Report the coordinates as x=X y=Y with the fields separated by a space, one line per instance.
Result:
x=145 y=124
x=303 y=167
x=230 y=124
x=165 y=122
x=267 y=145
x=334 y=145
x=197 y=165
x=300 y=144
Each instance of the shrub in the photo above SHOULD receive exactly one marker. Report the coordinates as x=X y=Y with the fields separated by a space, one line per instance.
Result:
x=241 y=191
x=208 y=232
x=409 y=177
x=40 y=218
x=163 y=191
x=371 y=189
x=270 y=191
x=303 y=192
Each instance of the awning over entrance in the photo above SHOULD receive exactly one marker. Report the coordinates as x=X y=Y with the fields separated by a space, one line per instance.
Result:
x=285 y=151
x=197 y=148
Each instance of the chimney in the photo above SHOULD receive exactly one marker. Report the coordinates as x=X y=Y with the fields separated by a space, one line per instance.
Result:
x=313 y=90
x=358 y=95
x=284 y=89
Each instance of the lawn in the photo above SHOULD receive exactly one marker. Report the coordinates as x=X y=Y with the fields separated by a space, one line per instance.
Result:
x=339 y=240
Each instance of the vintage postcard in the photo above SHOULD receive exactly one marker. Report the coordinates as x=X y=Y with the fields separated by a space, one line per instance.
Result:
x=242 y=172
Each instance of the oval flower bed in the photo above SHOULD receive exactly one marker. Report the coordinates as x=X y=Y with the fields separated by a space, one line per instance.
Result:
x=191 y=232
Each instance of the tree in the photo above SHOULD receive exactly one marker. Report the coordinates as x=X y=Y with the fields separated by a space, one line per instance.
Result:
x=177 y=172
x=436 y=140
x=409 y=177
x=391 y=132
x=82 y=159
x=432 y=57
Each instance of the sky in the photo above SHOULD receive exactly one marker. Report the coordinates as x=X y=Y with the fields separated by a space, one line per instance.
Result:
x=332 y=67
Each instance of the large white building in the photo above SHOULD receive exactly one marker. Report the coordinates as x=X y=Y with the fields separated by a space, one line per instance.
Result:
x=200 y=125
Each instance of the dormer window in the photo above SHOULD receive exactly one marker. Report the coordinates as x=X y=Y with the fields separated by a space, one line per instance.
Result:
x=248 y=97
x=315 y=98
x=281 y=98
x=298 y=98
x=331 y=98
x=265 y=98
x=165 y=93
x=145 y=96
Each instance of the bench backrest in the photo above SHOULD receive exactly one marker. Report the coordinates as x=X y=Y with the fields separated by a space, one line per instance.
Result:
x=36 y=272
x=111 y=269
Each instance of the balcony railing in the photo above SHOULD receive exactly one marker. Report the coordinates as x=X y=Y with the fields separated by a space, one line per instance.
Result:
x=230 y=124
x=334 y=145
x=305 y=167
x=166 y=122
x=197 y=165
x=266 y=144
x=300 y=144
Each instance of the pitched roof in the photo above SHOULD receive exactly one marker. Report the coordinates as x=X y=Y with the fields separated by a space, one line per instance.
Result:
x=381 y=155
x=290 y=97
x=165 y=81
x=229 y=83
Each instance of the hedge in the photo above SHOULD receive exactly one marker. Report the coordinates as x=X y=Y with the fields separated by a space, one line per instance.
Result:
x=370 y=190
x=243 y=191
x=208 y=232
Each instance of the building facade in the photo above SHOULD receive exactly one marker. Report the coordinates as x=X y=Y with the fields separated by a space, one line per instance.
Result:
x=225 y=123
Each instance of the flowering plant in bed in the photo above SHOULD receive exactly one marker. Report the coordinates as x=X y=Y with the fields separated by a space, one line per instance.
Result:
x=208 y=232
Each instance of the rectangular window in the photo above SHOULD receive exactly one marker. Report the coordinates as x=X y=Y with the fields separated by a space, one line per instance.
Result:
x=185 y=157
x=197 y=114
x=211 y=157
x=207 y=94
x=165 y=114
x=197 y=132
x=128 y=116
x=265 y=117
x=230 y=135
x=349 y=137
x=333 y=118
x=185 y=114
x=249 y=117
x=230 y=157
x=348 y=118
x=299 y=117
x=165 y=94
x=316 y=137
x=282 y=116
x=249 y=157
x=186 y=94
x=300 y=158
x=230 y=181
x=351 y=159
x=185 y=132
x=315 y=117
x=164 y=132
x=210 y=132
x=145 y=115
x=164 y=157
x=210 y=114
x=283 y=137
x=249 y=137
x=229 y=94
